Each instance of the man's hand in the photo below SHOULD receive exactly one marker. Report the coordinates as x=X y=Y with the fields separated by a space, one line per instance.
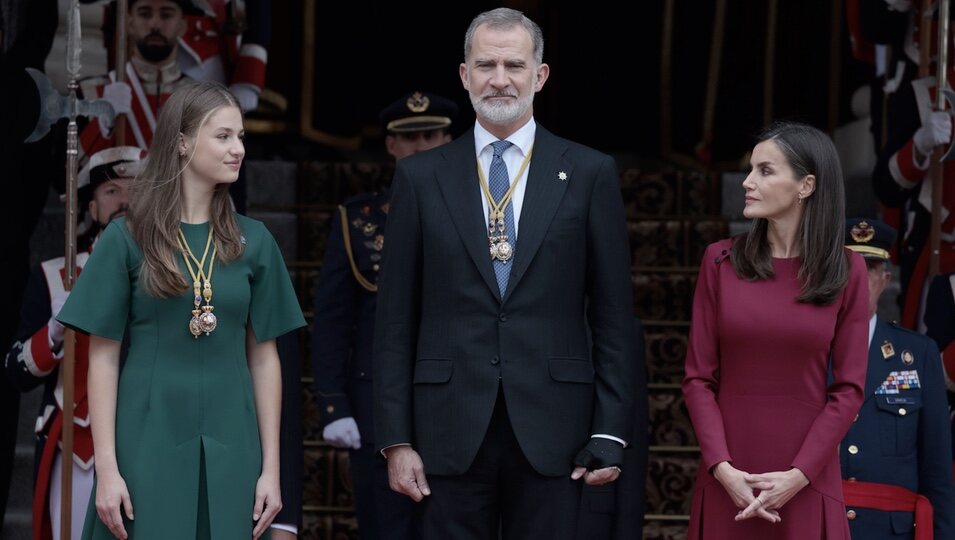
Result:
x=342 y=433
x=406 y=472
x=120 y=96
x=936 y=131
x=597 y=477
x=247 y=95
x=598 y=462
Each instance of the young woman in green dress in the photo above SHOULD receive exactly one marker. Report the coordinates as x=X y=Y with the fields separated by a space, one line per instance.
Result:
x=186 y=429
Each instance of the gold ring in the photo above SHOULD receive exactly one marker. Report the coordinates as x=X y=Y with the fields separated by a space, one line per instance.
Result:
x=759 y=500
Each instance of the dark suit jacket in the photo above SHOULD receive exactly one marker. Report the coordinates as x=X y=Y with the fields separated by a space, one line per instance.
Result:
x=445 y=340
x=902 y=438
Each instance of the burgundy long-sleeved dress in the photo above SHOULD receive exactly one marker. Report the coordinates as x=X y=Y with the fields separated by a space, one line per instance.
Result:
x=759 y=392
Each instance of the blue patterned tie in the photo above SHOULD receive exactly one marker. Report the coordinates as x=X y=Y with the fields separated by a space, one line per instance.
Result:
x=499 y=182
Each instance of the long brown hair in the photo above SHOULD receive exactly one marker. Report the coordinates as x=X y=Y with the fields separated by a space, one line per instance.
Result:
x=824 y=270
x=156 y=198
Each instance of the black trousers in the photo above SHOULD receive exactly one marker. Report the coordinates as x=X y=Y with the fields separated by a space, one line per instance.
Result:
x=382 y=513
x=500 y=496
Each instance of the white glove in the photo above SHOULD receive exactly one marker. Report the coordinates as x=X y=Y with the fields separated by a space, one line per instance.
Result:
x=54 y=328
x=119 y=96
x=342 y=433
x=937 y=130
x=902 y=6
x=247 y=94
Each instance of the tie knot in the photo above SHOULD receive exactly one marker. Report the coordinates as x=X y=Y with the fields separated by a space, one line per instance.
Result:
x=500 y=146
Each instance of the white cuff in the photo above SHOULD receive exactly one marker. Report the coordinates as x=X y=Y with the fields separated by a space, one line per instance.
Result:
x=611 y=437
x=285 y=527
x=392 y=446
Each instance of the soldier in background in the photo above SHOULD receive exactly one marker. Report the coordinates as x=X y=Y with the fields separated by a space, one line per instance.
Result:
x=345 y=299
x=34 y=359
x=901 y=437
x=152 y=74
x=913 y=132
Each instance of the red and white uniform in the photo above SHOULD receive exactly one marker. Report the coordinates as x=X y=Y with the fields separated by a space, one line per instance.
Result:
x=151 y=85
x=210 y=51
x=32 y=362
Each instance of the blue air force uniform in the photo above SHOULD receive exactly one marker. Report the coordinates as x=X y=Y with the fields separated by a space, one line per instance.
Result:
x=901 y=435
x=344 y=325
x=345 y=300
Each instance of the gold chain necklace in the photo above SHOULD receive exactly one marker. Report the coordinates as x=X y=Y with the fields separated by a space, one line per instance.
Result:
x=497 y=239
x=202 y=321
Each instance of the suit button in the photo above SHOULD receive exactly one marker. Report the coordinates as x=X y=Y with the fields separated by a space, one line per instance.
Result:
x=901 y=411
x=853 y=449
x=330 y=409
x=376 y=268
x=852 y=479
x=503 y=317
x=851 y=514
x=496 y=360
x=361 y=373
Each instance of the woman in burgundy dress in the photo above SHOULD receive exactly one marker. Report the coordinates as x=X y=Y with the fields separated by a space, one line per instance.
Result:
x=777 y=353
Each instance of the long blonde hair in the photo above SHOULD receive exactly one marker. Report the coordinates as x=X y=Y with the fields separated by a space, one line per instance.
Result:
x=156 y=198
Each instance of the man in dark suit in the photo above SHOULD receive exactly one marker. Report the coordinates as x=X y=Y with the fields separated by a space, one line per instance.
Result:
x=345 y=297
x=899 y=446
x=489 y=402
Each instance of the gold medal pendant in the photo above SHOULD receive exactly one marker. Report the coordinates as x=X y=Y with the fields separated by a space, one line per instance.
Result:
x=207 y=321
x=195 y=327
x=203 y=321
x=504 y=251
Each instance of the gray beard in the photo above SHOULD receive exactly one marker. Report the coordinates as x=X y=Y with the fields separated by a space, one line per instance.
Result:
x=501 y=113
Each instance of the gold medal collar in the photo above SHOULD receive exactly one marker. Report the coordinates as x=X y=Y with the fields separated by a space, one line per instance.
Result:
x=500 y=248
x=203 y=320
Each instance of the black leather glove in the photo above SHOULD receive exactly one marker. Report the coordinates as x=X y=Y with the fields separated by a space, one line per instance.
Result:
x=600 y=453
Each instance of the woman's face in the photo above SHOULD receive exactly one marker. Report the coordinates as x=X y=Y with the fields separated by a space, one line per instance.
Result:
x=215 y=153
x=772 y=190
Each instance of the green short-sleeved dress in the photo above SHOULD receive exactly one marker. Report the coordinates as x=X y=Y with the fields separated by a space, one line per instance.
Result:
x=183 y=400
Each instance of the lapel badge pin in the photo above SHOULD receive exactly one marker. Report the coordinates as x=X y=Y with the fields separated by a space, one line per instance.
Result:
x=887 y=350
x=907 y=358
x=562 y=176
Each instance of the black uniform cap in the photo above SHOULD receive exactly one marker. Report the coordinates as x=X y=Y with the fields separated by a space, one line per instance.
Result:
x=418 y=111
x=870 y=237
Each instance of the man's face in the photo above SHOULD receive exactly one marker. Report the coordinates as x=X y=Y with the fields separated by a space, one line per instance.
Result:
x=402 y=145
x=110 y=200
x=501 y=75
x=878 y=280
x=154 y=26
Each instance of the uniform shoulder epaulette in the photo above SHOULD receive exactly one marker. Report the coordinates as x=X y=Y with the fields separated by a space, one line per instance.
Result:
x=361 y=198
x=897 y=326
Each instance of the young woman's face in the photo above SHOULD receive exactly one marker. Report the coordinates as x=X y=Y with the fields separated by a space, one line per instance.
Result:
x=215 y=153
x=772 y=190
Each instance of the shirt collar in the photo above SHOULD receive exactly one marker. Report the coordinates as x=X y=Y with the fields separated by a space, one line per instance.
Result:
x=149 y=72
x=523 y=138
